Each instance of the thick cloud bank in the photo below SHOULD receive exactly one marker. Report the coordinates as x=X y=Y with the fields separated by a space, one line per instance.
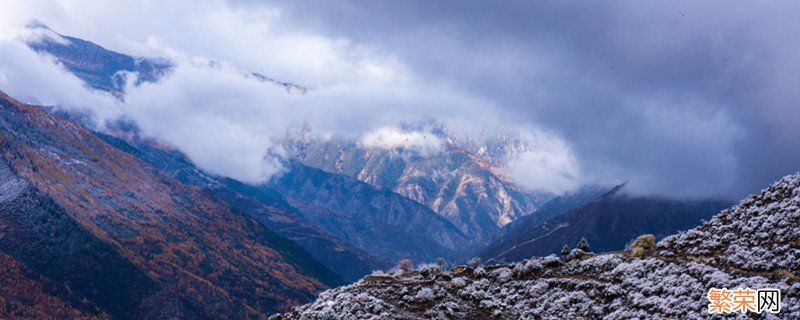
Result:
x=678 y=98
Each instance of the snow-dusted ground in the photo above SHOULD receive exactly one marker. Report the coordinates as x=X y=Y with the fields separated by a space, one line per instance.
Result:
x=10 y=185
x=754 y=245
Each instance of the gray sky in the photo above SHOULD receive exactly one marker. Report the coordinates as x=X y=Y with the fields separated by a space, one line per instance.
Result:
x=683 y=98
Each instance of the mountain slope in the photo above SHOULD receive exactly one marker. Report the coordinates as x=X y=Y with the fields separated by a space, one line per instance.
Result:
x=609 y=222
x=377 y=221
x=100 y=68
x=106 y=70
x=265 y=205
x=462 y=187
x=518 y=228
x=670 y=282
x=18 y=289
x=39 y=234
x=217 y=262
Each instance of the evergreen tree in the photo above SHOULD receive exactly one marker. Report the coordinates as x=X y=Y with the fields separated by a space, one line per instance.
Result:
x=584 y=245
x=441 y=262
x=565 y=250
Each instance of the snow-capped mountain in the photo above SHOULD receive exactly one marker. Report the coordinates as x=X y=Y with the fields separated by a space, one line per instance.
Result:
x=754 y=245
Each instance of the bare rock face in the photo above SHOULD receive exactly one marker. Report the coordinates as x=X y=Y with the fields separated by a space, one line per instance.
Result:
x=467 y=189
x=670 y=282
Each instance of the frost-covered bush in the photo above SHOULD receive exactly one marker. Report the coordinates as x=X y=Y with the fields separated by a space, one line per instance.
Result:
x=458 y=282
x=424 y=294
x=474 y=262
x=578 y=254
x=429 y=269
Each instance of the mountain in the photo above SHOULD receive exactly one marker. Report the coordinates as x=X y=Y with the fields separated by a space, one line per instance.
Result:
x=262 y=203
x=112 y=236
x=608 y=222
x=377 y=221
x=463 y=184
x=754 y=245
x=100 y=68
x=466 y=189
x=107 y=70
x=350 y=226
x=551 y=209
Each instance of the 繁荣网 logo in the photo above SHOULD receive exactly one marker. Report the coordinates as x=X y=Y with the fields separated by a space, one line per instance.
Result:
x=744 y=300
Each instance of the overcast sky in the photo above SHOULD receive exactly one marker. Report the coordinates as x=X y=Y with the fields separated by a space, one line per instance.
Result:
x=683 y=98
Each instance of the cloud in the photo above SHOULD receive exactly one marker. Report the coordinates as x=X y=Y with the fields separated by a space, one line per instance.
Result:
x=615 y=79
x=680 y=98
x=227 y=122
x=38 y=79
x=391 y=138
x=546 y=163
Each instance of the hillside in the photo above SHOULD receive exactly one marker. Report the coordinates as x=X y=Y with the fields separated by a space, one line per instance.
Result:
x=668 y=282
x=122 y=239
x=262 y=203
x=608 y=222
x=377 y=221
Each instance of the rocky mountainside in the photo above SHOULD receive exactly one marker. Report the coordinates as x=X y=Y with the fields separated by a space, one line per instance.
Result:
x=608 y=222
x=377 y=221
x=112 y=236
x=753 y=245
x=468 y=190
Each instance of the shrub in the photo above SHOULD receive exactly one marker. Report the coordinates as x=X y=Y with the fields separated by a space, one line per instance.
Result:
x=642 y=245
x=645 y=241
x=405 y=265
x=425 y=294
x=637 y=252
x=474 y=262
x=426 y=270
x=578 y=254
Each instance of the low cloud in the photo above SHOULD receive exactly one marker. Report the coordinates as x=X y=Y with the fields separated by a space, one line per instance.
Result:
x=697 y=100
x=392 y=138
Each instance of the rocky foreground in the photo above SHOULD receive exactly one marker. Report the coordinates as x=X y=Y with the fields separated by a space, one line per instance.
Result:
x=753 y=245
